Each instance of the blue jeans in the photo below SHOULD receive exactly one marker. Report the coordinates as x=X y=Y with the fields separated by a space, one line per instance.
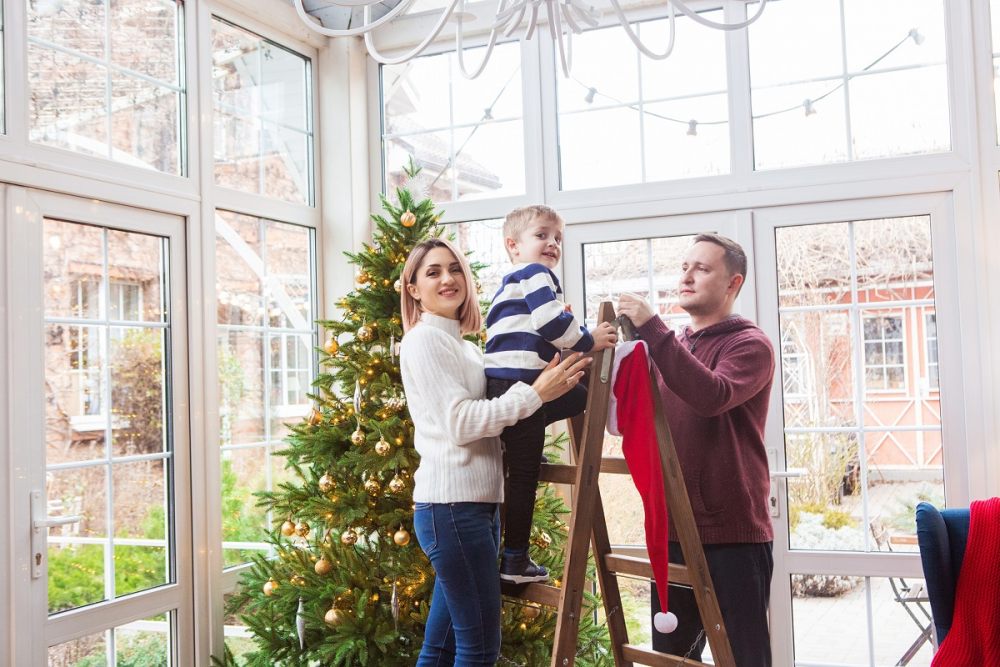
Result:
x=462 y=541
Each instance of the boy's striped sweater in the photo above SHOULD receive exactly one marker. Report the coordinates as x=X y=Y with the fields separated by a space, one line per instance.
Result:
x=528 y=324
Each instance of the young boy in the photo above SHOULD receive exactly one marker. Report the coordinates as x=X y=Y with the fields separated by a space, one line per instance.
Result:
x=527 y=325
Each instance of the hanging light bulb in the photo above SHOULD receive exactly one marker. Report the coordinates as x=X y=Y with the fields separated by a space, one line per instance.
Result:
x=692 y=128
x=487 y=114
x=918 y=38
x=589 y=99
x=808 y=106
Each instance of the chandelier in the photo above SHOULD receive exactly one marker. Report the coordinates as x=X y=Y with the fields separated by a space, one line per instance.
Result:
x=564 y=18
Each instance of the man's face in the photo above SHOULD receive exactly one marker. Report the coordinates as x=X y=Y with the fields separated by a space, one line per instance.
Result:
x=706 y=287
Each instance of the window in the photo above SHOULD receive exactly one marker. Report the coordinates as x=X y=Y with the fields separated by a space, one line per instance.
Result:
x=866 y=439
x=483 y=240
x=931 y=343
x=670 y=118
x=794 y=364
x=841 y=80
x=884 y=356
x=106 y=79
x=995 y=33
x=3 y=77
x=265 y=281
x=467 y=135
x=263 y=115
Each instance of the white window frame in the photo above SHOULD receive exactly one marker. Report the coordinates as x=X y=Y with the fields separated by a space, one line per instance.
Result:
x=885 y=365
x=927 y=365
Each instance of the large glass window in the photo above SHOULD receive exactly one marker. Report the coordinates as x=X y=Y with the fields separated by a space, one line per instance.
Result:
x=263 y=115
x=265 y=285
x=841 y=80
x=468 y=135
x=106 y=79
x=640 y=119
x=483 y=241
x=852 y=297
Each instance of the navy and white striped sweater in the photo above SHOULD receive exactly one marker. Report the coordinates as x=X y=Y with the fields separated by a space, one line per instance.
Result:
x=528 y=324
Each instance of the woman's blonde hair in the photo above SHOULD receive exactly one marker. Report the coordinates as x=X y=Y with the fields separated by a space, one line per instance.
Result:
x=469 y=317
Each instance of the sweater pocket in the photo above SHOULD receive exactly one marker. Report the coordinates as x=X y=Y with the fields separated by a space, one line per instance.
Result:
x=707 y=502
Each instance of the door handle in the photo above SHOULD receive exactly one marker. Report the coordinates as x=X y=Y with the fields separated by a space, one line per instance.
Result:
x=791 y=473
x=40 y=522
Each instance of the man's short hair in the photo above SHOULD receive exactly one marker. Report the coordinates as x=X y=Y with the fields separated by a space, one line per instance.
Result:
x=518 y=219
x=734 y=257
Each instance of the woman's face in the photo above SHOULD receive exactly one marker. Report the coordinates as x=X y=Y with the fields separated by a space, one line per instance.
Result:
x=440 y=284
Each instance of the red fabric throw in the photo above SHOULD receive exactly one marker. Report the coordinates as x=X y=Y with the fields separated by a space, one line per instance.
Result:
x=974 y=638
x=634 y=398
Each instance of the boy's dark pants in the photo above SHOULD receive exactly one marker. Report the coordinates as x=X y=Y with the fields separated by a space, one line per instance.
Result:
x=522 y=457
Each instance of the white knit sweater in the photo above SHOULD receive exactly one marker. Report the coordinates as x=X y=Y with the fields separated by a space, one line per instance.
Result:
x=456 y=428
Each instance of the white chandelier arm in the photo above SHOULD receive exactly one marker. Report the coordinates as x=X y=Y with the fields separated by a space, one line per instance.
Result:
x=695 y=16
x=532 y=21
x=350 y=32
x=460 y=37
x=635 y=38
x=555 y=27
x=511 y=21
x=417 y=50
x=570 y=21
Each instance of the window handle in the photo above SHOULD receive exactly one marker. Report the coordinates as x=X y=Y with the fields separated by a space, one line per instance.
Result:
x=787 y=474
x=40 y=521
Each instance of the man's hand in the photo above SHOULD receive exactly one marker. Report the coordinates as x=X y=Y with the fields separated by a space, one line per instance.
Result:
x=605 y=336
x=635 y=308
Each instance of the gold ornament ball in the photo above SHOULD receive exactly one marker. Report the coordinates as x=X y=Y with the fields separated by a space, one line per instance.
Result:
x=358 y=437
x=349 y=537
x=326 y=483
x=364 y=334
x=287 y=528
x=333 y=617
x=398 y=286
x=315 y=417
x=401 y=537
x=362 y=278
x=270 y=586
x=323 y=566
x=408 y=219
x=372 y=487
x=531 y=611
x=331 y=346
x=396 y=485
x=382 y=447
x=302 y=529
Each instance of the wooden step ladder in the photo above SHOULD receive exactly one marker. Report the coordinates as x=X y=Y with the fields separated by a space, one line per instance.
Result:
x=588 y=526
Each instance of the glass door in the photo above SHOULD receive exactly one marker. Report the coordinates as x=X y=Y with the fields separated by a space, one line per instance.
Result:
x=601 y=261
x=852 y=293
x=101 y=417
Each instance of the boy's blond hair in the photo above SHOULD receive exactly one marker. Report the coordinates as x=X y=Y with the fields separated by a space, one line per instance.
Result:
x=519 y=219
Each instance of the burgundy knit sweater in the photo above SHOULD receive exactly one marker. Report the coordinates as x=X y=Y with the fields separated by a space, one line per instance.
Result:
x=715 y=385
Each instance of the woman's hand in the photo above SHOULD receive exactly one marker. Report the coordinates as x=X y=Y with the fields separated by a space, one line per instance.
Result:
x=560 y=376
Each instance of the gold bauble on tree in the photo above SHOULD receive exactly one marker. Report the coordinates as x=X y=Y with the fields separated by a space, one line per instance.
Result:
x=323 y=566
x=362 y=278
x=287 y=528
x=398 y=286
x=302 y=529
x=396 y=485
x=372 y=487
x=408 y=219
x=331 y=346
x=315 y=417
x=358 y=437
x=531 y=611
x=401 y=537
x=349 y=537
x=364 y=333
x=270 y=586
x=333 y=617
x=326 y=483
x=382 y=447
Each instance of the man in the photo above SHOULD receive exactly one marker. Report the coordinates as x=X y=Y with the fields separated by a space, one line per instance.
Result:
x=715 y=382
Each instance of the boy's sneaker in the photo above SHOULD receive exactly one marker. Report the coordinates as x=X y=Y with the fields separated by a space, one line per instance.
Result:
x=521 y=570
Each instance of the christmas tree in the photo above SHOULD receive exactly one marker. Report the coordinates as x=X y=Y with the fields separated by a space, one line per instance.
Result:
x=349 y=585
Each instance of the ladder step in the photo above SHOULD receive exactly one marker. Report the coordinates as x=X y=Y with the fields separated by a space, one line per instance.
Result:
x=645 y=656
x=640 y=567
x=540 y=593
x=562 y=473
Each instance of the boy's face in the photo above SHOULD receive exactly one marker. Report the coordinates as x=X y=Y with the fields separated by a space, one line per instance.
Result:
x=540 y=242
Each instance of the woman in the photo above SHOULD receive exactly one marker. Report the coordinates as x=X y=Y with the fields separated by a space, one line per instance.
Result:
x=459 y=484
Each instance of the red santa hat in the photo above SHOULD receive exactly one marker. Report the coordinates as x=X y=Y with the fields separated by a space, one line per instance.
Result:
x=630 y=415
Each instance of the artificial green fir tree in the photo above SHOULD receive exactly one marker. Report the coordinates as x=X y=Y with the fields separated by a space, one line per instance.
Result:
x=350 y=585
